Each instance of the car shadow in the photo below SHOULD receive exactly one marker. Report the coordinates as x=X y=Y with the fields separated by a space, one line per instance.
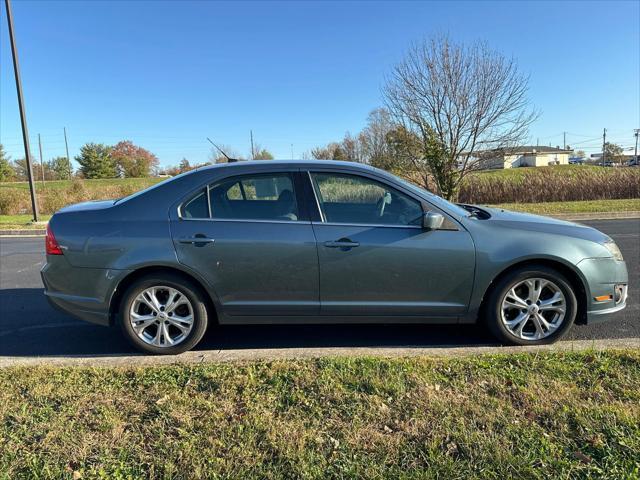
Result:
x=29 y=326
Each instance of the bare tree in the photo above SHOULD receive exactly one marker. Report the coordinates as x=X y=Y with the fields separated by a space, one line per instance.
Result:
x=461 y=102
x=348 y=149
x=373 y=139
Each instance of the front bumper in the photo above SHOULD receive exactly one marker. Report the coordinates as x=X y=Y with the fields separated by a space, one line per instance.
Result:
x=604 y=279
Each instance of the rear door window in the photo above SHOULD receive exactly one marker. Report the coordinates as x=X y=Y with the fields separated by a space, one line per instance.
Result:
x=255 y=197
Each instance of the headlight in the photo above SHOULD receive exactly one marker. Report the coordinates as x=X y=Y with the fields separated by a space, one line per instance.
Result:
x=613 y=249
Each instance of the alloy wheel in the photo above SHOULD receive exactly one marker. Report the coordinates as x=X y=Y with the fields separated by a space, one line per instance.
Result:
x=161 y=316
x=533 y=309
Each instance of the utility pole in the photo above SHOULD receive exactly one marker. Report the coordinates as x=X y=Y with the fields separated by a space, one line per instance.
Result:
x=41 y=160
x=253 y=153
x=292 y=151
x=635 y=153
x=564 y=137
x=23 y=117
x=604 y=143
x=66 y=145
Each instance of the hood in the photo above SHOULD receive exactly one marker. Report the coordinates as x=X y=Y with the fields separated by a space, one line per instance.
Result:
x=538 y=223
x=84 y=206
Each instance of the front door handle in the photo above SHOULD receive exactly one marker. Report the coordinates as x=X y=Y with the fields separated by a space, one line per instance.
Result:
x=197 y=239
x=343 y=243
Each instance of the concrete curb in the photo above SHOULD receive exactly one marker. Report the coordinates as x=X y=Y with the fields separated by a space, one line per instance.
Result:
x=244 y=355
x=26 y=233
x=596 y=216
x=23 y=233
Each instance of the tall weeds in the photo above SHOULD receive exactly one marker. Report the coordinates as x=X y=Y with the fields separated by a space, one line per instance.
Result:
x=536 y=185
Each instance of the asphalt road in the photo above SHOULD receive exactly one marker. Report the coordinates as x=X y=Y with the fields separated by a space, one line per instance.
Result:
x=29 y=327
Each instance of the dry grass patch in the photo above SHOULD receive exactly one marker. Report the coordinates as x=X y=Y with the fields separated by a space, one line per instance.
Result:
x=551 y=184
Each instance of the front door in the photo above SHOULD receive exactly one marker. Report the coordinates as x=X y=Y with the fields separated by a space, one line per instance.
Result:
x=253 y=244
x=377 y=260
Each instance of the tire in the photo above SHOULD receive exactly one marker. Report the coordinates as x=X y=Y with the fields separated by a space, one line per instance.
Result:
x=502 y=306
x=167 y=330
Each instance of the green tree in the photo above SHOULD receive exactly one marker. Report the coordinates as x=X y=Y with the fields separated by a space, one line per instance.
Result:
x=613 y=153
x=96 y=162
x=59 y=167
x=184 y=166
x=6 y=171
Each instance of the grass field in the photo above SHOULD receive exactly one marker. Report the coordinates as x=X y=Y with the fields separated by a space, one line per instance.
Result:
x=96 y=184
x=587 y=206
x=545 y=415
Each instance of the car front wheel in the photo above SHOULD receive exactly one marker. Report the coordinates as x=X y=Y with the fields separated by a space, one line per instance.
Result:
x=163 y=315
x=531 y=306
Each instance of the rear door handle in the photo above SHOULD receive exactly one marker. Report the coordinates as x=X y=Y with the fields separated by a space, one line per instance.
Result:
x=346 y=244
x=197 y=239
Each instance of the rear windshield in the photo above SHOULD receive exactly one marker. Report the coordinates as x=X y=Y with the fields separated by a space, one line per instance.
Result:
x=148 y=189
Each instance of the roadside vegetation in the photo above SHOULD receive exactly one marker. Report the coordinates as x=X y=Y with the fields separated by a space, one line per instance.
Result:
x=550 y=184
x=537 y=190
x=587 y=206
x=544 y=415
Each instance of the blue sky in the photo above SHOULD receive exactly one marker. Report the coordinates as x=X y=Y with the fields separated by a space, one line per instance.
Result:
x=168 y=74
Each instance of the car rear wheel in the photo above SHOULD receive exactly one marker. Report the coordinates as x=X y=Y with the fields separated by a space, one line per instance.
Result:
x=163 y=315
x=531 y=306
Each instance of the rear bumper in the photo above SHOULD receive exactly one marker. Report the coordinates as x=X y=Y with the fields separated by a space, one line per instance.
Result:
x=79 y=307
x=84 y=293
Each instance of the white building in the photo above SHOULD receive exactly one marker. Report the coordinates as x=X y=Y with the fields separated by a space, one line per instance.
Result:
x=526 y=156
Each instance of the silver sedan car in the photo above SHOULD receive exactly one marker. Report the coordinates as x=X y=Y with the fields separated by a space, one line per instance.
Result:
x=321 y=242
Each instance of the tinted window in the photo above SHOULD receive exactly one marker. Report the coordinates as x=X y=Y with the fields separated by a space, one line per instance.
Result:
x=196 y=207
x=255 y=197
x=355 y=199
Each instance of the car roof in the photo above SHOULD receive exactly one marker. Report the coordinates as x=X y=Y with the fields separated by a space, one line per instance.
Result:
x=290 y=163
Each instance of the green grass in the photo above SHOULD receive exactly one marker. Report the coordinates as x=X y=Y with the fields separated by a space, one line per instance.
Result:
x=90 y=184
x=586 y=206
x=546 y=415
x=21 y=222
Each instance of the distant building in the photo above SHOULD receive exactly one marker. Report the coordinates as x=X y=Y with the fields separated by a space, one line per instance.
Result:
x=525 y=156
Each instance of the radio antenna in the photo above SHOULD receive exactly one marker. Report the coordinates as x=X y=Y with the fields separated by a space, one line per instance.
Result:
x=229 y=159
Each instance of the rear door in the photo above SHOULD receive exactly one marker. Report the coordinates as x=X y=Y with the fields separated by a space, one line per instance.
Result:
x=250 y=237
x=377 y=260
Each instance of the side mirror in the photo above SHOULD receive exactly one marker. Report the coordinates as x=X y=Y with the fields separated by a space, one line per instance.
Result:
x=432 y=221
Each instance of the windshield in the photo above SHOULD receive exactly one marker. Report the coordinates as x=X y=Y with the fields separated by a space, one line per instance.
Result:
x=435 y=199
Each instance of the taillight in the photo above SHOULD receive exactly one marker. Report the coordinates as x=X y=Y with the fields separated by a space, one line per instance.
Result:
x=51 y=244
